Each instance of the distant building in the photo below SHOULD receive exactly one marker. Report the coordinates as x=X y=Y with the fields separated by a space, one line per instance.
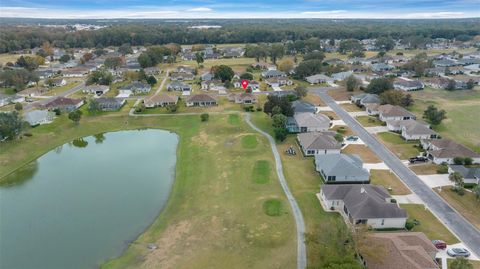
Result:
x=161 y=100
x=407 y=85
x=110 y=103
x=201 y=100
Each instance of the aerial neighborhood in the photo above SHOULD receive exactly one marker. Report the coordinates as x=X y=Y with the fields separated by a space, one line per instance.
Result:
x=371 y=140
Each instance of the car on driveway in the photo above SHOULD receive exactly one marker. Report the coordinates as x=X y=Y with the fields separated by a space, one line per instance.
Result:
x=418 y=159
x=458 y=252
x=352 y=138
x=439 y=244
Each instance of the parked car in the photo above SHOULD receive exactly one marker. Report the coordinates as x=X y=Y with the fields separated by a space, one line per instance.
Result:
x=351 y=138
x=418 y=159
x=458 y=252
x=439 y=244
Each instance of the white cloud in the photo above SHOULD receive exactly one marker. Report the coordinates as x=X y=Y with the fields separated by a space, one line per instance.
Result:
x=200 y=9
x=435 y=15
x=324 y=12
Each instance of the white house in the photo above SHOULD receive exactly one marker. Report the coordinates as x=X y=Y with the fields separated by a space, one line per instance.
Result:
x=316 y=143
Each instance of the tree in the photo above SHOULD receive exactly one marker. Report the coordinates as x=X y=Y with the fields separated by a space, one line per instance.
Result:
x=350 y=45
x=285 y=65
x=351 y=83
x=223 y=72
x=204 y=117
x=308 y=68
x=247 y=76
x=392 y=97
x=282 y=102
x=11 y=125
x=468 y=161
x=385 y=43
x=458 y=160
x=301 y=91
x=75 y=116
x=276 y=51
x=199 y=58
x=47 y=48
x=461 y=263
x=457 y=180
x=470 y=84
x=407 y=100
x=18 y=106
x=357 y=54
x=64 y=58
x=87 y=56
x=94 y=107
x=151 y=80
x=172 y=108
x=451 y=85
x=279 y=120
x=99 y=52
x=113 y=62
x=379 y=85
x=316 y=55
x=17 y=78
x=27 y=62
x=101 y=77
x=144 y=60
x=434 y=115
x=280 y=133
x=125 y=49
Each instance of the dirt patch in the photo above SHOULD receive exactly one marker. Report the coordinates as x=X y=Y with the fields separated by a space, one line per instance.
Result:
x=203 y=139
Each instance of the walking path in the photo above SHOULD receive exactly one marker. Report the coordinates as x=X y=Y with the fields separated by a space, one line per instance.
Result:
x=301 y=249
x=452 y=219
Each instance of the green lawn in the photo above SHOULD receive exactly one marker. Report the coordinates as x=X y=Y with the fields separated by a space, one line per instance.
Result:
x=215 y=215
x=273 y=207
x=466 y=204
x=389 y=180
x=261 y=172
x=462 y=113
x=369 y=121
x=56 y=90
x=249 y=141
x=403 y=149
x=429 y=224
x=234 y=119
x=425 y=169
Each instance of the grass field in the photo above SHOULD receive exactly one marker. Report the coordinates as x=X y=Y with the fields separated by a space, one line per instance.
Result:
x=476 y=264
x=429 y=224
x=262 y=172
x=7 y=57
x=215 y=215
x=363 y=151
x=57 y=90
x=369 y=121
x=424 y=169
x=467 y=204
x=403 y=149
x=389 y=180
x=351 y=107
x=462 y=110
x=341 y=94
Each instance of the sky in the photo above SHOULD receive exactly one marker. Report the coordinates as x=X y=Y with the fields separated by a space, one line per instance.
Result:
x=238 y=9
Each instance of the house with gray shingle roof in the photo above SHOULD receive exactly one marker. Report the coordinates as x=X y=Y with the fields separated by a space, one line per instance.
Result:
x=318 y=143
x=110 y=103
x=389 y=112
x=273 y=74
x=318 y=78
x=161 y=100
x=364 y=99
x=307 y=122
x=411 y=129
x=341 y=168
x=445 y=150
x=201 y=100
x=368 y=205
x=471 y=175
x=300 y=106
x=38 y=117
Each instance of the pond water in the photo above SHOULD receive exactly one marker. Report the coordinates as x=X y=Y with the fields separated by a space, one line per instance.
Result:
x=82 y=203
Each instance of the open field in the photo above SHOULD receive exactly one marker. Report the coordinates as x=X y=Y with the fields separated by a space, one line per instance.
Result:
x=324 y=230
x=467 y=204
x=369 y=121
x=429 y=224
x=7 y=57
x=351 y=107
x=314 y=99
x=214 y=205
x=461 y=124
x=424 y=169
x=341 y=94
x=403 y=149
x=389 y=180
x=363 y=151
x=57 y=90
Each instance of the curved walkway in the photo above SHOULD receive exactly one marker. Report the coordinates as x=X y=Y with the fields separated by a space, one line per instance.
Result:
x=301 y=249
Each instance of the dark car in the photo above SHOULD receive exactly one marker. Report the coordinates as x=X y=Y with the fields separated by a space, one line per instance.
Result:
x=458 y=252
x=418 y=159
x=439 y=244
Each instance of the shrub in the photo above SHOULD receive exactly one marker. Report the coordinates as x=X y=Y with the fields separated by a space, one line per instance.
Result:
x=28 y=134
x=248 y=108
x=409 y=224
x=259 y=108
x=458 y=160
x=204 y=117
x=468 y=161
x=460 y=191
x=442 y=169
x=280 y=134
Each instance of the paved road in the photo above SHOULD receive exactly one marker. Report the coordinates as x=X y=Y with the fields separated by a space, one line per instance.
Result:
x=465 y=231
x=63 y=94
x=301 y=249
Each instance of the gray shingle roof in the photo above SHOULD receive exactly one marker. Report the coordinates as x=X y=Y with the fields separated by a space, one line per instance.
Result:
x=341 y=165
x=318 y=141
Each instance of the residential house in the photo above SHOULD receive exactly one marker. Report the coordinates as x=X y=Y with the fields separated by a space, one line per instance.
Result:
x=181 y=76
x=341 y=75
x=242 y=98
x=400 y=250
x=411 y=129
x=369 y=205
x=186 y=69
x=444 y=63
x=315 y=143
x=445 y=150
x=38 y=117
x=252 y=85
x=471 y=175
x=391 y=112
x=135 y=87
x=161 y=100
x=364 y=99
x=44 y=73
x=381 y=67
x=317 y=79
x=435 y=71
x=32 y=92
x=58 y=82
x=307 y=122
x=273 y=74
x=372 y=109
x=110 y=103
x=77 y=72
x=152 y=71
x=263 y=65
x=179 y=86
x=407 y=85
x=207 y=76
x=213 y=85
x=64 y=104
x=96 y=89
x=278 y=81
x=334 y=61
x=341 y=168
x=201 y=100
x=300 y=106
x=6 y=99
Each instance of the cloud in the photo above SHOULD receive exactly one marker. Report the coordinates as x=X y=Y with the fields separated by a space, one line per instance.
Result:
x=200 y=9
x=435 y=15
x=324 y=12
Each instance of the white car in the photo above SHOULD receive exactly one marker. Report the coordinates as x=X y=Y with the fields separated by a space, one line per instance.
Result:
x=458 y=252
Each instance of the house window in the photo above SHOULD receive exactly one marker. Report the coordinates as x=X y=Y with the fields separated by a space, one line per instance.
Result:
x=383 y=222
x=310 y=151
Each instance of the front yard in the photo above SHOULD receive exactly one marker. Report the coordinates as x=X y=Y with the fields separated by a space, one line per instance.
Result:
x=467 y=204
x=429 y=224
x=401 y=148
x=363 y=151
x=369 y=121
x=389 y=180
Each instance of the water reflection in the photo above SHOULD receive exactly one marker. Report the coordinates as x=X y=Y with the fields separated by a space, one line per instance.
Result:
x=80 y=143
x=99 y=138
x=20 y=176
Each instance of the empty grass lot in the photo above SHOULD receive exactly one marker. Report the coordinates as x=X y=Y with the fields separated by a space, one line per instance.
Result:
x=389 y=180
x=429 y=224
x=351 y=107
x=363 y=151
x=215 y=214
x=403 y=149
x=341 y=94
x=261 y=172
x=425 y=169
x=249 y=141
x=467 y=204
x=369 y=121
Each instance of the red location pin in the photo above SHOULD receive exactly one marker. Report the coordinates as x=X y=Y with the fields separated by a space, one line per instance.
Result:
x=245 y=83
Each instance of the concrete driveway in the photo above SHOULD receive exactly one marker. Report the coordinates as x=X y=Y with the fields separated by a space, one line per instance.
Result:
x=408 y=199
x=375 y=166
x=376 y=129
x=358 y=113
x=323 y=108
x=338 y=123
x=437 y=180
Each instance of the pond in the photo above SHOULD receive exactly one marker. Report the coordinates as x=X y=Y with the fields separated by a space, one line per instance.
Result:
x=84 y=202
